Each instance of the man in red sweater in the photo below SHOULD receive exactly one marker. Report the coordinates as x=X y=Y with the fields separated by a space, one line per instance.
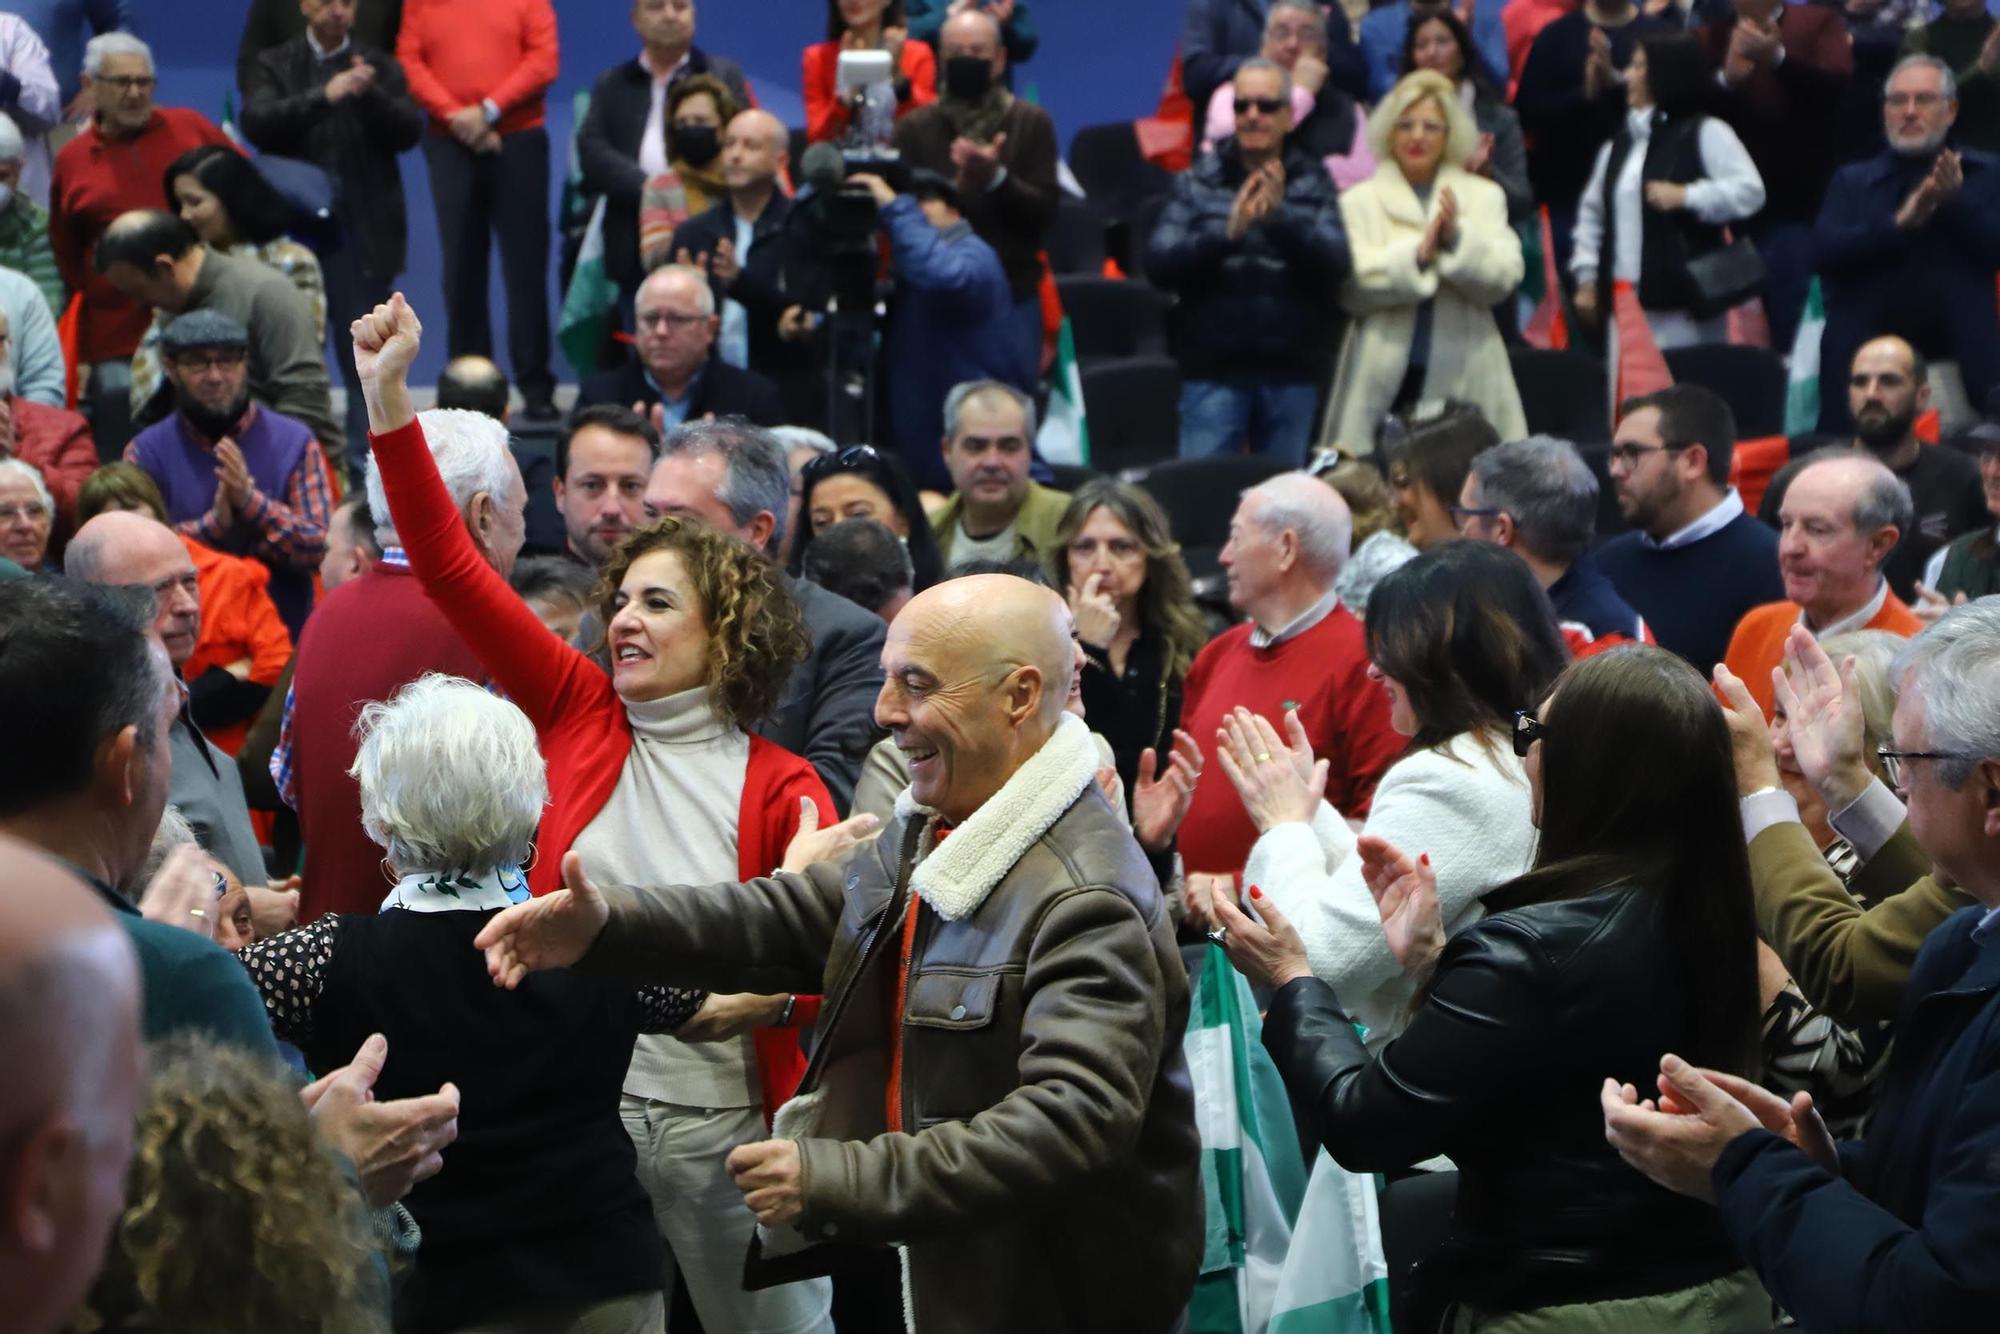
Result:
x=112 y=167
x=1300 y=649
x=481 y=68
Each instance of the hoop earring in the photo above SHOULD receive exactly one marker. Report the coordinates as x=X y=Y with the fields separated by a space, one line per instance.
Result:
x=533 y=853
x=388 y=872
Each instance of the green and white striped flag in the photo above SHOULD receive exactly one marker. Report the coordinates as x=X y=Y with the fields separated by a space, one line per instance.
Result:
x=590 y=305
x=1336 y=1280
x=1802 y=388
x=1065 y=436
x=1252 y=1174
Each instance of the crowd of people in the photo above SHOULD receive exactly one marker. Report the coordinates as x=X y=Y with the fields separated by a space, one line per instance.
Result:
x=781 y=859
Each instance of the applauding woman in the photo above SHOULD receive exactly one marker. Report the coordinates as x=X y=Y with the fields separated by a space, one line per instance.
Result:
x=1461 y=637
x=1633 y=934
x=654 y=778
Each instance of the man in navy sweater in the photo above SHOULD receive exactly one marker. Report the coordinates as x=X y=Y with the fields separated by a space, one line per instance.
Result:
x=1693 y=561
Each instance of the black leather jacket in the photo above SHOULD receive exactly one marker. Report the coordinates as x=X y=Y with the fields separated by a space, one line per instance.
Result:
x=1527 y=1012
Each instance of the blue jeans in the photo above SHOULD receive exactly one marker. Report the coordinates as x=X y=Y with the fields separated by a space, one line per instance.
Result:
x=1272 y=420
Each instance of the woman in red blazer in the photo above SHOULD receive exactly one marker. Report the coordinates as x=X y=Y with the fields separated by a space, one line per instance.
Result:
x=864 y=25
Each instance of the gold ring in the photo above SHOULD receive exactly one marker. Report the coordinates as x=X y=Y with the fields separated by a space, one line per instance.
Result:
x=198 y=912
x=1263 y=757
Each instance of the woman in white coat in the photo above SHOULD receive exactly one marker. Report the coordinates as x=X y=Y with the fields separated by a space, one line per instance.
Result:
x=1462 y=638
x=1433 y=255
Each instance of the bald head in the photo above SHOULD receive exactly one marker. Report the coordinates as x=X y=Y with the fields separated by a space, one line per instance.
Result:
x=971 y=32
x=125 y=547
x=977 y=670
x=69 y=1042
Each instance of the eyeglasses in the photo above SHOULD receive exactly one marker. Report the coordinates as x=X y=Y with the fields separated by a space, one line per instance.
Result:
x=34 y=512
x=1629 y=455
x=1528 y=729
x=197 y=363
x=1893 y=760
x=666 y=319
x=854 y=458
x=1270 y=106
x=128 y=83
x=1460 y=513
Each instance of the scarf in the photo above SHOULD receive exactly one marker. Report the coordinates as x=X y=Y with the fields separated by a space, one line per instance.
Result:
x=978 y=121
x=459 y=891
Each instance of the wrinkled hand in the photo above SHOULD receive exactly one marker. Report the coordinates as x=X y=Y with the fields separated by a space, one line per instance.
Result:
x=1267 y=773
x=1930 y=605
x=1749 y=739
x=772 y=1179
x=813 y=844
x=1666 y=196
x=553 y=931
x=386 y=341
x=393 y=1145
x=1677 y=1151
x=1094 y=611
x=1161 y=797
x=977 y=164
x=1824 y=718
x=467 y=124
x=1405 y=891
x=182 y=893
x=1797 y=1121
x=875 y=186
x=1269 y=953
x=232 y=474
x=723 y=1017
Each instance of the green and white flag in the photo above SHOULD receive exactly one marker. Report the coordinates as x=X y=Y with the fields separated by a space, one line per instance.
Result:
x=1802 y=390
x=1252 y=1175
x=590 y=305
x=1336 y=1280
x=1065 y=436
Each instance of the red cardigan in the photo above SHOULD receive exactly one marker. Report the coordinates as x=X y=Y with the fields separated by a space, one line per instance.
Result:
x=826 y=114
x=578 y=717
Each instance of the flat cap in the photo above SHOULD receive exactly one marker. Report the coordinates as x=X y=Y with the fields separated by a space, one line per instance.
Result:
x=204 y=328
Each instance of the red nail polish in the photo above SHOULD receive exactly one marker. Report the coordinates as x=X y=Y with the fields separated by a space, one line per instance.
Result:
x=1424 y=858
x=1256 y=893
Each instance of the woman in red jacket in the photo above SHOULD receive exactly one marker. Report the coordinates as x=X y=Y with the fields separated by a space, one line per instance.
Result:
x=864 y=25
x=654 y=779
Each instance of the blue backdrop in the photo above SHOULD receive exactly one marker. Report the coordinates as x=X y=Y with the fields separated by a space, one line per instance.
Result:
x=1100 y=60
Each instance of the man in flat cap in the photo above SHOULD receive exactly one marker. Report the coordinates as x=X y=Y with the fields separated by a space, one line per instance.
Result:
x=237 y=476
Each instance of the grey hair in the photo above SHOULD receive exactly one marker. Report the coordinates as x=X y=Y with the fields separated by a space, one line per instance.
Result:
x=1947 y=81
x=1256 y=63
x=803 y=437
x=1301 y=503
x=451 y=778
x=1309 y=7
x=107 y=44
x=174 y=832
x=758 y=475
x=695 y=277
x=1884 y=502
x=23 y=468
x=470 y=449
x=963 y=393
x=1548 y=490
x=1955 y=666
x=13 y=147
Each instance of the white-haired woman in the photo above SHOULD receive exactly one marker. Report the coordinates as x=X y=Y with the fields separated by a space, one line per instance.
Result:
x=1433 y=255
x=540 y=1209
x=27 y=515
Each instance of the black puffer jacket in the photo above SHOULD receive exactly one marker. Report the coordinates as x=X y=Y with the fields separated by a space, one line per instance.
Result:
x=1266 y=307
x=1528 y=1011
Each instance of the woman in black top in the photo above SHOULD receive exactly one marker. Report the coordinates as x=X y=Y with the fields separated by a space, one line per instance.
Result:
x=1118 y=565
x=538 y=1209
x=863 y=482
x=1632 y=934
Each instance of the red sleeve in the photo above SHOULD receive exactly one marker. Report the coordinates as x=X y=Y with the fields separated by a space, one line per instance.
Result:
x=539 y=672
x=1371 y=744
x=920 y=68
x=431 y=94
x=540 y=61
x=825 y=115
x=71 y=462
x=70 y=249
x=781 y=823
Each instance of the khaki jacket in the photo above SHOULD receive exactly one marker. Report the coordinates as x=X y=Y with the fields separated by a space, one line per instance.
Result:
x=1046 y=1177
x=1034 y=527
x=1851 y=962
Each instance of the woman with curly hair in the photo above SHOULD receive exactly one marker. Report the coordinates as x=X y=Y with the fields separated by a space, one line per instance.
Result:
x=1119 y=568
x=238 y=1220
x=654 y=779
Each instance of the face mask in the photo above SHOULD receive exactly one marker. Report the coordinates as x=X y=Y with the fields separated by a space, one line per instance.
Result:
x=967 y=78
x=696 y=145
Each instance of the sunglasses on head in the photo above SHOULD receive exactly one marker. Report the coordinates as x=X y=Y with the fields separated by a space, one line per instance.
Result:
x=1270 y=106
x=854 y=458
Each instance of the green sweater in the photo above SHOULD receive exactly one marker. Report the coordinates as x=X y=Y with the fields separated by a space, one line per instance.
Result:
x=24 y=246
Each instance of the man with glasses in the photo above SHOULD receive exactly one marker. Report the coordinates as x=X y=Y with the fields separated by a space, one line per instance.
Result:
x=1693 y=562
x=1252 y=244
x=1907 y=243
x=113 y=166
x=237 y=476
x=677 y=377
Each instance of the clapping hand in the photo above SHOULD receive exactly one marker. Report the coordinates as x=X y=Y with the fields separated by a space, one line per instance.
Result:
x=1824 y=718
x=1160 y=797
x=813 y=844
x=232 y=474
x=1599 y=74
x=1442 y=233
x=1279 y=783
x=1675 y=1148
x=1405 y=891
x=1797 y=1121
x=1931 y=605
x=1269 y=953
x=1749 y=738
x=553 y=931
x=1946 y=175
x=357 y=78
x=977 y=163
x=393 y=1145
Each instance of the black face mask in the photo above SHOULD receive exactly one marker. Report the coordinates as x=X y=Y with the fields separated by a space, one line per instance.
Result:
x=696 y=145
x=967 y=78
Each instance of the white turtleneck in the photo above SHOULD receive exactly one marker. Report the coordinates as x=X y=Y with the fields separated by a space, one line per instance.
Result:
x=672 y=820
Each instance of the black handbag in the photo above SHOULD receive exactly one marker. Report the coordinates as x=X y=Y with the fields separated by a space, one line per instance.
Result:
x=1725 y=278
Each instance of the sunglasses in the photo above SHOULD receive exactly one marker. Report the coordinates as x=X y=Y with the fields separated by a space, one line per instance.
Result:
x=854 y=458
x=1270 y=106
x=1528 y=729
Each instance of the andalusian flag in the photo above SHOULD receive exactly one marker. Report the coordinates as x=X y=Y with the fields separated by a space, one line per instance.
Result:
x=1336 y=1280
x=1802 y=391
x=1252 y=1175
x=1065 y=436
x=590 y=305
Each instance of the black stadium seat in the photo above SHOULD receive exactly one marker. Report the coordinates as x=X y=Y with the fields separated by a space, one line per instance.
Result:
x=1563 y=393
x=1112 y=317
x=1106 y=162
x=1750 y=379
x=1133 y=408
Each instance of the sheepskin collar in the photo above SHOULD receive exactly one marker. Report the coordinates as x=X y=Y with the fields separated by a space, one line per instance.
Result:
x=955 y=878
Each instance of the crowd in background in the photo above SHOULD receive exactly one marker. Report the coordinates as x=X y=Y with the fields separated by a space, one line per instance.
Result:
x=827 y=814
